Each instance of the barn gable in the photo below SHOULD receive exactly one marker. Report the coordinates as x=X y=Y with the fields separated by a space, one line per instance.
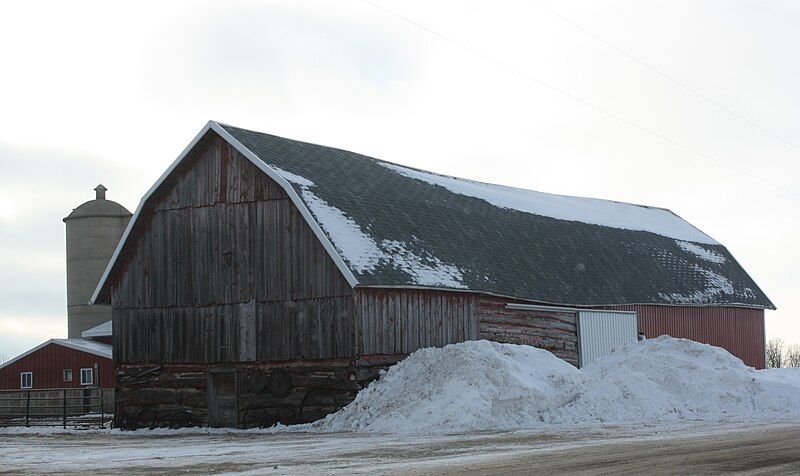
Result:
x=220 y=242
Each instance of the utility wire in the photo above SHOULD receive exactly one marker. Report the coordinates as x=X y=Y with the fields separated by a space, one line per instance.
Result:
x=664 y=75
x=578 y=99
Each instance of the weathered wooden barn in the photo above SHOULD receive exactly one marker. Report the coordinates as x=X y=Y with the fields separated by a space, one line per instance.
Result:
x=263 y=279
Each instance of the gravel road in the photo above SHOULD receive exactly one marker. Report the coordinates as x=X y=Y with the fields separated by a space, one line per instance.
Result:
x=772 y=448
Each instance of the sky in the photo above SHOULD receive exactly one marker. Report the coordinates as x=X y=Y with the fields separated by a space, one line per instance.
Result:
x=104 y=91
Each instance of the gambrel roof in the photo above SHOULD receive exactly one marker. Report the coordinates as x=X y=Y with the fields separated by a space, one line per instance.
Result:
x=392 y=226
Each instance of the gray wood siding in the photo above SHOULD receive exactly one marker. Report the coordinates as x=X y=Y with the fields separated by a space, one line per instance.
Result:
x=400 y=321
x=554 y=331
x=220 y=234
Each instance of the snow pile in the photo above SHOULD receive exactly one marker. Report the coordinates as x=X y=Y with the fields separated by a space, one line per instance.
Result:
x=477 y=384
x=789 y=376
x=485 y=385
x=677 y=379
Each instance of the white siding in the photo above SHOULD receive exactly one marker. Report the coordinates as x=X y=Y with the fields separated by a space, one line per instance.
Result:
x=601 y=331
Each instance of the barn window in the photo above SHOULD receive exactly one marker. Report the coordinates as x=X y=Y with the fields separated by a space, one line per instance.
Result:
x=87 y=377
x=68 y=375
x=26 y=380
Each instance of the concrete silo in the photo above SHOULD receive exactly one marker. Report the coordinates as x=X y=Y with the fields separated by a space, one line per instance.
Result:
x=93 y=231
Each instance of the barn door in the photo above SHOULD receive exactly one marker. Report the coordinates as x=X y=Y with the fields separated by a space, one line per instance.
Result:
x=600 y=331
x=223 y=408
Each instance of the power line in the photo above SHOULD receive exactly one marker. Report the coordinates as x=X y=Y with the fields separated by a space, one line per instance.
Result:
x=578 y=99
x=665 y=75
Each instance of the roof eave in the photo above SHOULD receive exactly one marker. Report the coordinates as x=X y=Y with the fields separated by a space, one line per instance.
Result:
x=45 y=344
x=770 y=306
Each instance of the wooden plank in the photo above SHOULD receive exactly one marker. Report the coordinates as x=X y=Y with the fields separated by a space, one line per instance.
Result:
x=247 y=331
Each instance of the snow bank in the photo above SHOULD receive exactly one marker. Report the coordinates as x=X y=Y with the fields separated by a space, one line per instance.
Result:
x=484 y=385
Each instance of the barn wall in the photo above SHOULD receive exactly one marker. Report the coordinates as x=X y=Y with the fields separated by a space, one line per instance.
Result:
x=400 y=321
x=48 y=364
x=165 y=395
x=218 y=238
x=555 y=331
x=284 y=330
x=738 y=330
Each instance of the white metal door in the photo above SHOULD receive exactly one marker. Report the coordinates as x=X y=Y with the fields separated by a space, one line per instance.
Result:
x=601 y=331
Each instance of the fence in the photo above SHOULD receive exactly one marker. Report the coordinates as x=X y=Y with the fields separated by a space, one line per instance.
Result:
x=78 y=407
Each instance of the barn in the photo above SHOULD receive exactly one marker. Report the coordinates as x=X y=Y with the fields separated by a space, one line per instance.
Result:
x=60 y=363
x=263 y=279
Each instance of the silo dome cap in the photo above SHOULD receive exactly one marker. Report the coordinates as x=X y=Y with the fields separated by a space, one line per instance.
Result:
x=100 y=192
x=99 y=207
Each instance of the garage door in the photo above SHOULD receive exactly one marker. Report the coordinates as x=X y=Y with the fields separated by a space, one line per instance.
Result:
x=601 y=331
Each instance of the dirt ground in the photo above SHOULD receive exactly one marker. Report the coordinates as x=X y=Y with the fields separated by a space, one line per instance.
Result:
x=772 y=448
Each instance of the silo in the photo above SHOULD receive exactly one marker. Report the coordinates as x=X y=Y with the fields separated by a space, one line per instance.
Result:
x=93 y=231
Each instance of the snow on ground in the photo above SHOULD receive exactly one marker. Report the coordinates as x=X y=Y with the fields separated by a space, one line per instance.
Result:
x=254 y=452
x=484 y=385
x=690 y=399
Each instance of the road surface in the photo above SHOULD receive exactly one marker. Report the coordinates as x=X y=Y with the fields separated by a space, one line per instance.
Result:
x=772 y=448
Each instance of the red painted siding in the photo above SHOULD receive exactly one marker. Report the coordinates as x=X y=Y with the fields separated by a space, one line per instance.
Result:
x=48 y=364
x=738 y=330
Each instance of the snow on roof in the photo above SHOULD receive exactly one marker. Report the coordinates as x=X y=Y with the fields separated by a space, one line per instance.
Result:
x=363 y=253
x=91 y=347
x=587 y=210
x=397 y=226
x=102 y=330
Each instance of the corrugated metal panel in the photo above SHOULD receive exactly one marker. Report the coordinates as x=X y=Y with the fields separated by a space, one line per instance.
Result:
x=738 y=330
x=600 y=331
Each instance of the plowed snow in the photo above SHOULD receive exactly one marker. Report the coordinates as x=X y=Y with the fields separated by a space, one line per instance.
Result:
x=484 y=385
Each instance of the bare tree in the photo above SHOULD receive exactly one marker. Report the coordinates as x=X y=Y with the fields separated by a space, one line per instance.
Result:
x=792 y=356
x=775 y=353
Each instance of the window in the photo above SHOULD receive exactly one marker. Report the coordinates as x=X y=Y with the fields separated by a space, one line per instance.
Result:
x=26 y=380
x=87 y=377
x=68 y=375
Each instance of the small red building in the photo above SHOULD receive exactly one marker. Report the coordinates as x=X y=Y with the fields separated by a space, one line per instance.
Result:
x=60 y=363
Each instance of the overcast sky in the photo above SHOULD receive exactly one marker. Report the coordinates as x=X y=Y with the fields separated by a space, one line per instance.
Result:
x=96 y=91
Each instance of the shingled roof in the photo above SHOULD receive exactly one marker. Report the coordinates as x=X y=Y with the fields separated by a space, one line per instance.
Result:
x=397 y=226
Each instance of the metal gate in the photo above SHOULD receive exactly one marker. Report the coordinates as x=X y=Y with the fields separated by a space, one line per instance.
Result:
x=600 y=331
x=73 y=407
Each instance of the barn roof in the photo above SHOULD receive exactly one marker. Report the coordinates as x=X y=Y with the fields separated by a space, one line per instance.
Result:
x=390 y=225
x=102 y=330
x=90 y=347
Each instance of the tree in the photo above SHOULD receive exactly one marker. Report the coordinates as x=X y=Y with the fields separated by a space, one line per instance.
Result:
x=793 y=356
x=775 y=353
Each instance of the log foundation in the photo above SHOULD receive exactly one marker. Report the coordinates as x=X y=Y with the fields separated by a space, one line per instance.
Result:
x=268 y=393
